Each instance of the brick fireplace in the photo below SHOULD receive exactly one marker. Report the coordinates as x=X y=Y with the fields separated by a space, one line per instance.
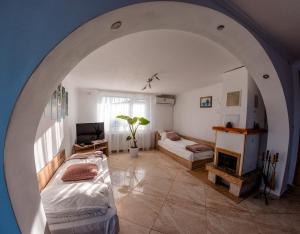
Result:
x=235 y=159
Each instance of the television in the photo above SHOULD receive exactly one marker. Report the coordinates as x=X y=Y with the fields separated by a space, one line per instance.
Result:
x=88 y=132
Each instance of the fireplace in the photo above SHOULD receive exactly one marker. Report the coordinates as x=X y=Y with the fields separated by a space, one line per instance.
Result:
x=228 y=161
x=235 y=159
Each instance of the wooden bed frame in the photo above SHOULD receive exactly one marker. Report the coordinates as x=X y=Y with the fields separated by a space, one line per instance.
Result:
x=46 y=173
x=186 y=163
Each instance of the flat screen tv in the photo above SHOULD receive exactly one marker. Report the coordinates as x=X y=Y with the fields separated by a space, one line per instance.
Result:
x=88 y=132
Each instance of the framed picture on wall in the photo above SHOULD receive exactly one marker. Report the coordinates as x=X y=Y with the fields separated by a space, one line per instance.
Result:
x=54 y=106
x=64 y=103
x=59 y=103
x=67 y=104
x=58 y=107
x=47 y=111
x=206 y=102
x=233 y=98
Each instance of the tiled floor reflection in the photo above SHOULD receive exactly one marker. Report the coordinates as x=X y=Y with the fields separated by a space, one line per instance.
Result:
x=155 y=194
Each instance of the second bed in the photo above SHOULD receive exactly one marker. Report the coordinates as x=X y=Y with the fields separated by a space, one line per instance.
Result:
x=177 y=150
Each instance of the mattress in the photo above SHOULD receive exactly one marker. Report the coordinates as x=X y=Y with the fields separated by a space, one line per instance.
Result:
x=178 y=148
x=96 y=214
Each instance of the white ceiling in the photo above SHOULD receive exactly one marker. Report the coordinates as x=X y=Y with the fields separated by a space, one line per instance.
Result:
x=277 y=19
x=184 y=61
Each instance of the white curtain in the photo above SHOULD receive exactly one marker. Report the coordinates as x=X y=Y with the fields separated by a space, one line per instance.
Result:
x=111 y=104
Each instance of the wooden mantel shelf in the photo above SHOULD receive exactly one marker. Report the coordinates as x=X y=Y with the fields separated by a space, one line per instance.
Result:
x=244 y=131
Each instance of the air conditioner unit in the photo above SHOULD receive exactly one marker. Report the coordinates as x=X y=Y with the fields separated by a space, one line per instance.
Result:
x=165 y=99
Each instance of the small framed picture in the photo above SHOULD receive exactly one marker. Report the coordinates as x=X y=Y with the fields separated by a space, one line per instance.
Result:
x=54 y=106
x=206 y=102
x=233 y=98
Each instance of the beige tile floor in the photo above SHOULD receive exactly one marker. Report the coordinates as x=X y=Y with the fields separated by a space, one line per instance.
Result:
x=155 y=194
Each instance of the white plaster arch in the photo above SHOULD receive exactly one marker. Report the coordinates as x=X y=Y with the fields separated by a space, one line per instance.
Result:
x=22 y=186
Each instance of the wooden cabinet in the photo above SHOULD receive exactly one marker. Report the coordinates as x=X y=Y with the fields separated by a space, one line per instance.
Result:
x=96 y=145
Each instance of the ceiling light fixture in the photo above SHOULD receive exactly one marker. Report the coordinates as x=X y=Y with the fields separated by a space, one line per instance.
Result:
x=116 y=25
x=266 y=76
x=220 y=27
x=149 y=80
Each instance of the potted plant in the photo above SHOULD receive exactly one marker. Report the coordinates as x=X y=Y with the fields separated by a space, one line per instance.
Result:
x=134 y=123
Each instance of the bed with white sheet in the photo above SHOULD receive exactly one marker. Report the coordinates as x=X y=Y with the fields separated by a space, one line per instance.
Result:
x=177 y=150
x=83 y=206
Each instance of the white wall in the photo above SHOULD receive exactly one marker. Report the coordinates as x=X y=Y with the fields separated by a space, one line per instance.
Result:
x=255 y=114
x=53 y=136
x=191 y=120
x=87 y=106
x=236 y=80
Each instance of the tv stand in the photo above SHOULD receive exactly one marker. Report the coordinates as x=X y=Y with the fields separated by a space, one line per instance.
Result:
x=95 y=146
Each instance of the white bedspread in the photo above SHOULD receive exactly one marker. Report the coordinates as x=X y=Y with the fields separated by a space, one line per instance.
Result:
x=81 y=207
x=70 y=202
x=178 y=148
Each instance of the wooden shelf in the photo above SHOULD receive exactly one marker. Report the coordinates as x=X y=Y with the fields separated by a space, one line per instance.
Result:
x=96 y=145
x=243 y=131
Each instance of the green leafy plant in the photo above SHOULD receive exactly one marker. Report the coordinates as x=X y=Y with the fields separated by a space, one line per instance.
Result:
x=134 y=123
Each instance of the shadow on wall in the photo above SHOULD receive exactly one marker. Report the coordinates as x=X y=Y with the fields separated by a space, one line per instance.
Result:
x=39 y=220
x=48 y=144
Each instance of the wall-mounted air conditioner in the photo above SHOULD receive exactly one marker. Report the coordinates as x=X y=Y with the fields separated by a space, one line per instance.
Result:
x=165 y=99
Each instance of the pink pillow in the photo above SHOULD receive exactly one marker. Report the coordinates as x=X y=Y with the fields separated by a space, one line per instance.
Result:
x=173 y=136
x=81 y=171
x=198 y=148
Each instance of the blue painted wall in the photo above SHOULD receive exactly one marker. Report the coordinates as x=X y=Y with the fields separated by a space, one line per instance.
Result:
x=28 y=31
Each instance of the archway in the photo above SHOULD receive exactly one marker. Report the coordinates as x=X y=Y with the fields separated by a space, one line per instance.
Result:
x=140 y=17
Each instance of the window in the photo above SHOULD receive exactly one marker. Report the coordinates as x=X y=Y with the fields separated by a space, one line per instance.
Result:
x=119 y=106
x=109 y=107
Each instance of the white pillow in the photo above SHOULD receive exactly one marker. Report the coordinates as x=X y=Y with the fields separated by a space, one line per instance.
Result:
x=163 y=136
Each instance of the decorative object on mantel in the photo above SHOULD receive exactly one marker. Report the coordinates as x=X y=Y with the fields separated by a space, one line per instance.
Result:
x=256 y=125
x=268 y=173
x=148 y=82
x=228 y=125
x=234 y=119
x=206 y=102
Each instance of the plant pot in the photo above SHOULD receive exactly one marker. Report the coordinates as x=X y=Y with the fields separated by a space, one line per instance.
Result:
x=133 y=152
